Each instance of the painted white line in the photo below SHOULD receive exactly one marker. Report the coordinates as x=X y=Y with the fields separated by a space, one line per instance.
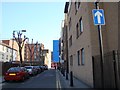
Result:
x=56 y=81
x=58 y=85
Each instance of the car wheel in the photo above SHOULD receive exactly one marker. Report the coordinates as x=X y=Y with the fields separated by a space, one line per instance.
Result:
x=6 y=80
x=28 y=76
x=23 y=78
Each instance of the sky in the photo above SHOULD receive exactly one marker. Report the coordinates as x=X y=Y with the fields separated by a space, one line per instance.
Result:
x=41 y=20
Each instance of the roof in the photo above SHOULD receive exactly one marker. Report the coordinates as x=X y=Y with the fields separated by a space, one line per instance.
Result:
x=3 y=44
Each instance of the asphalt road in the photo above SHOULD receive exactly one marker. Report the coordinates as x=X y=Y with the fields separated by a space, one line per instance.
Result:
x=46 y=79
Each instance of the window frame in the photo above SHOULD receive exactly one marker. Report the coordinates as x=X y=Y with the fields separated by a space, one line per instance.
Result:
x=81 y=25
x=82 y=51
x=69 y=23
x=76 y=8
x=78 y=4
x=77 y=30
x=2 y=56
x=78 y=57
x=70 y=41
x=6 y=57
x=71 y=60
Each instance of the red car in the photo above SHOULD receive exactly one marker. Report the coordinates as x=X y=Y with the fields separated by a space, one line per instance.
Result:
x=16 y=74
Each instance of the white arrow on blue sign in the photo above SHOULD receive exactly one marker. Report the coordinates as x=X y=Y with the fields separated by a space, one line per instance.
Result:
x=98 y=16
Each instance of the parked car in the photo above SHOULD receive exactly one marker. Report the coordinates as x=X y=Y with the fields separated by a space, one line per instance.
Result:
x=38 y=69
x=16 y=74
x=42 y=68
x=45 y=67
x=31 y=70
x=26 y=71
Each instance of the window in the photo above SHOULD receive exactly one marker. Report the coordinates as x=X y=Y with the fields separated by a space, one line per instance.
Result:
x=3 y=48
x=35 y=56
x=70 y=41
x=69 y=24
x=81 y=25
x=71 y=60
x=78 y=4
x=2 y=56
x=7 y=49
x=78 y=57
x=10 y=50
x=69 y=7
x=76 y=7
x=6 y=57
x=77 y=31
x=82 y=56
x=79 y=28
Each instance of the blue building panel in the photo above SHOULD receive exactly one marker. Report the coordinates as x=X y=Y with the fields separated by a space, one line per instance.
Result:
x=55 y=50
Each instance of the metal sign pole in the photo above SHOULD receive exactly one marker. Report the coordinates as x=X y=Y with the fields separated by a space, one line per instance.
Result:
x=101 y=49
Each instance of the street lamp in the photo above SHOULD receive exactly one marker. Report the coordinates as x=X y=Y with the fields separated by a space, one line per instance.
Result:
x=19 y=41
x=23 y=30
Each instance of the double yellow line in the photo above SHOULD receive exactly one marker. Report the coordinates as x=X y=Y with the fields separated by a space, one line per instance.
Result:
x=58 y=85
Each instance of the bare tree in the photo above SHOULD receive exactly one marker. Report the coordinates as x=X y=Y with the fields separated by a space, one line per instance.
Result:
x=31 y=47
x=20 y=42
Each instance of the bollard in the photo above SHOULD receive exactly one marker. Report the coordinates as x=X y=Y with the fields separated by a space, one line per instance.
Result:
x=66 y=75
x=63 y=72
x=71 y=79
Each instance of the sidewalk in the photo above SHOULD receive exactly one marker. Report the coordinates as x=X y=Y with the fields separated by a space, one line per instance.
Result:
x=66 y=83
x=1 y=79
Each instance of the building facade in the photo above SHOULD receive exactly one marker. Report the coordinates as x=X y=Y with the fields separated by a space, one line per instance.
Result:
x=29 y=52
x=13 y=44
x=64 y=60
x=47 y=57
x=6 y=53
x=56 y=51
x=83 y=38
x=34 y=52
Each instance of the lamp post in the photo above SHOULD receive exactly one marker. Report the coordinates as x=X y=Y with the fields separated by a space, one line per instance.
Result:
x=17 y=37
x=12 y=47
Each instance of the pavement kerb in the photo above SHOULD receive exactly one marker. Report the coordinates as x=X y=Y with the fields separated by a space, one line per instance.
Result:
x=76 y=83
x=62 y=80
x=2 y=79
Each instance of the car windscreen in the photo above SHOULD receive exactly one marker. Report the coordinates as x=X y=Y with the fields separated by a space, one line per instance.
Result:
x=14 y=69
x=28 y=67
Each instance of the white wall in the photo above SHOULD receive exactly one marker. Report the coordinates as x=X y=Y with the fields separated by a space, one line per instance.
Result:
x=48 y=59
x=6 y=53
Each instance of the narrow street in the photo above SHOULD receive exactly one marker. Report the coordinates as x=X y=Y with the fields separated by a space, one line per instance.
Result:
x=60 y=44
x=46 y=79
